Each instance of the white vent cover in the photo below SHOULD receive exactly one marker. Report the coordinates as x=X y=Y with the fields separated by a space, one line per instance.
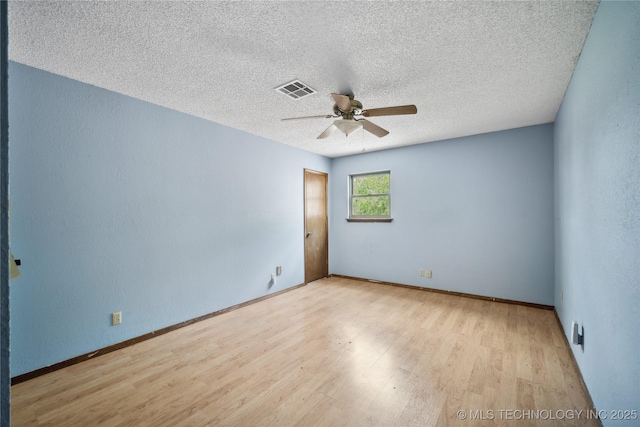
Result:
x=295 y=89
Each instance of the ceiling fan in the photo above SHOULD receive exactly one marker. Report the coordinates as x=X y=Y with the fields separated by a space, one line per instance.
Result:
x=352 y=116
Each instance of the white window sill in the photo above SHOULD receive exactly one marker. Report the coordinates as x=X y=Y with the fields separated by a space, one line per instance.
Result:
x=369 y=219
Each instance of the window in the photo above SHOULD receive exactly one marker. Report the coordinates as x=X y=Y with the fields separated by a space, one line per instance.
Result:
x=370 y=196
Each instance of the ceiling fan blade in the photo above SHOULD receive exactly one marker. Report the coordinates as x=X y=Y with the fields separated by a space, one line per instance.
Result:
x=326 y=116
x=343 y=102
x=328 y=131
x=391 y=111
x=374 y=129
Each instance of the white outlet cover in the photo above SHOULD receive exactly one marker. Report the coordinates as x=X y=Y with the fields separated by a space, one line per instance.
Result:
x=116 y=318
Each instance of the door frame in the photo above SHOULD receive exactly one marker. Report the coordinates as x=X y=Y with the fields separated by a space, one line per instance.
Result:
x=326 y=216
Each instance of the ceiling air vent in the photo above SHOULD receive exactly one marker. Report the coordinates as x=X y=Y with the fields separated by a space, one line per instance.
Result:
x=295 y=89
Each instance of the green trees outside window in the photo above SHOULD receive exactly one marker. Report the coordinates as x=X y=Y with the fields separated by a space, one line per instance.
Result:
x=370 y=195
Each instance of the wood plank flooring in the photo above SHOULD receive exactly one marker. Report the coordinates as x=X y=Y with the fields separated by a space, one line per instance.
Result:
x=336 y=352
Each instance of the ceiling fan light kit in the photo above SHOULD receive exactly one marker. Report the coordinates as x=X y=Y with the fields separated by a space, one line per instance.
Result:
x=347 y=126
x=350 y=109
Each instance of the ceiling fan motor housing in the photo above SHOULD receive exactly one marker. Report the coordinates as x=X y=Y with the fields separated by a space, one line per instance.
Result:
x=356 y=109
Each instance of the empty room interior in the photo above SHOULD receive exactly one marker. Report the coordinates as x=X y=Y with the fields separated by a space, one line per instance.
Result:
x=321 y=213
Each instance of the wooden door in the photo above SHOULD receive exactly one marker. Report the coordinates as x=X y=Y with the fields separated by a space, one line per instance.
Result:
x=316 y=233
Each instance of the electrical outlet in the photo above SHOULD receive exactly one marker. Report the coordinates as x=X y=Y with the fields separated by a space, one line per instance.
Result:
x=421 y=272
x=561 y=297
x=428 y=273
x=116 y=318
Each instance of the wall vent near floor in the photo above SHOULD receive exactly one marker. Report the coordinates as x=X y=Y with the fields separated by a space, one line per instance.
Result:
x=295 y=90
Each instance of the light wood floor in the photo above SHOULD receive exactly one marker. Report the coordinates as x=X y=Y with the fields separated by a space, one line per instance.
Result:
x=335 y=352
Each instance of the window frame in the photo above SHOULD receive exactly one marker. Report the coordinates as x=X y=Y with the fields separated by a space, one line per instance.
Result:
x=367 y=218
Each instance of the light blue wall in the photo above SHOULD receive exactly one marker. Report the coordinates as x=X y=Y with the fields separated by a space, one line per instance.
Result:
x=477 y=211
x=597 y=201
x=121 y=205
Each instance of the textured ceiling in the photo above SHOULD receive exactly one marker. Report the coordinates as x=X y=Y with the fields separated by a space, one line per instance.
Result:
x=469 y=66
